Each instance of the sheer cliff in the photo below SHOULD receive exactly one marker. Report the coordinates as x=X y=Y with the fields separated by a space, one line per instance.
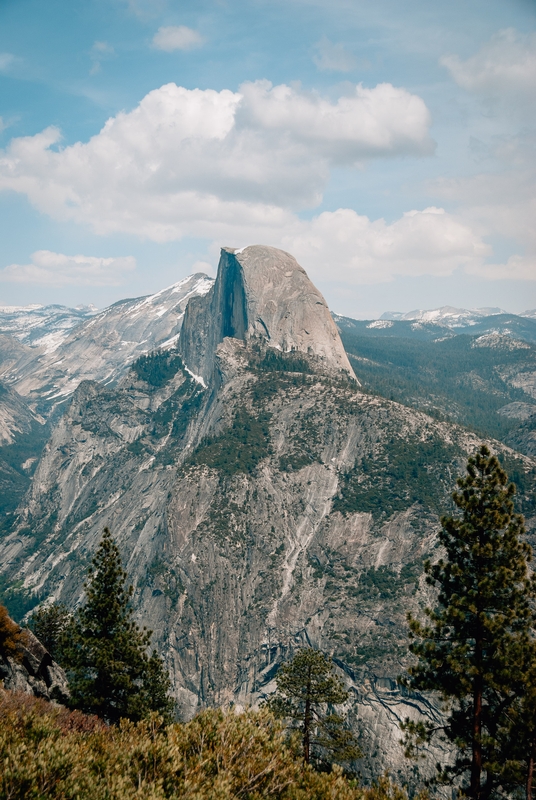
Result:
x=260 y=498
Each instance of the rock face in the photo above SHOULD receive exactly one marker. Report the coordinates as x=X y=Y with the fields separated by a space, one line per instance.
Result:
x=261 y=293
x=36 y=673
x=263 y=505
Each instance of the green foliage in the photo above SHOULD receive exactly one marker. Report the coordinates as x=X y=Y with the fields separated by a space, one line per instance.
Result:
x=48 y=752
x=158 y=368
x=17 y=598
x=50 y=624
x=471 y=648
x=305 y=686
x=406 y=472
x=272 y=360
x=105 y=651
x=384 y=583
x=240 y=447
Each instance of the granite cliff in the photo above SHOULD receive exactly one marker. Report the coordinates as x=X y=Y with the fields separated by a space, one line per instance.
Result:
x=260 y=498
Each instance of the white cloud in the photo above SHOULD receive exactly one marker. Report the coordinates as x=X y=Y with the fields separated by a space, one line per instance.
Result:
x=355 y=250
x=333 y=56
x=176 y=37
x=504 y=65
x=516 y=268
x=197 y=162
x=55 y=269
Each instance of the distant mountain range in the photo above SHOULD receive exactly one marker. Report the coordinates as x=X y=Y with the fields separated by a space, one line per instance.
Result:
x=451 y=317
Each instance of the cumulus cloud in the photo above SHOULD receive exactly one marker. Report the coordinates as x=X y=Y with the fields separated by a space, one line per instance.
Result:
x=176 y=37
x=56 y=269
x=353 y=249
x=333 y=56
x=504 y=65
x=187 y=161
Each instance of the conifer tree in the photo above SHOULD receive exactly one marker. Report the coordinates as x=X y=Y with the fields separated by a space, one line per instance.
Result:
x=471 y=649
x=49 y=624
x=109 y=672
x=305 y=686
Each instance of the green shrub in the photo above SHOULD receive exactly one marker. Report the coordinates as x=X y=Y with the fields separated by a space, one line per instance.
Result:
x=48 y=752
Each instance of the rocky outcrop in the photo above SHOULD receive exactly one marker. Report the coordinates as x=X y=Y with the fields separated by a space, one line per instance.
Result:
x=35 y=673
x=262 y=293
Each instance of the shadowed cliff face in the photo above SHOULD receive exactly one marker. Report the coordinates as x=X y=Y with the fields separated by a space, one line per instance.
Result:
x=268 y=506
x=262 y=294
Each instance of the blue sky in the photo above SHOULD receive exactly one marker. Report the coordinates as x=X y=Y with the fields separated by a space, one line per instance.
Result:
x=389 y=146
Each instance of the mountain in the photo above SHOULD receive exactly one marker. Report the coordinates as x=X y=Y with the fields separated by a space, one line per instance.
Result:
x=42 y=326
x=100 y=346
x=446 y=315
x=262 y=500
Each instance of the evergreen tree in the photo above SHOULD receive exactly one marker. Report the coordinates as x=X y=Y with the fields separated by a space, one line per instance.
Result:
x=109 y=672
x=472 y=648
x=305 y=686
x=50 y=624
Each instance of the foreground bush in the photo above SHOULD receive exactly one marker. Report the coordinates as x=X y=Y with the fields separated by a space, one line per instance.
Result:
x=47 y=752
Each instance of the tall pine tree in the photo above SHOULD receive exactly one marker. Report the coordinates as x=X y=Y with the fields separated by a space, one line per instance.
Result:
x=471 y=649
x=109 y=671
x=306 y=685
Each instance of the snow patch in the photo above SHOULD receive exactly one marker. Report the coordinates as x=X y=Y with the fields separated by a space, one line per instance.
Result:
x=381 y=323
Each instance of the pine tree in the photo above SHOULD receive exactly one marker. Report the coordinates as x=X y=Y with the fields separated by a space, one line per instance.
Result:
x=50 y=624
x=471 y=649
x=305 y=686
x=109 y=672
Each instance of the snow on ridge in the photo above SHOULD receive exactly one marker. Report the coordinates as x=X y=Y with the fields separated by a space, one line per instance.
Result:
x=19 y=309
x=381 y=323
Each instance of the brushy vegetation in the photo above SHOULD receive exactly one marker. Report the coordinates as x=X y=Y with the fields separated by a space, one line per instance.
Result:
x=158 y=367
x=407 y=472
x=240 y=447
x=48 y=752
x=272 y=360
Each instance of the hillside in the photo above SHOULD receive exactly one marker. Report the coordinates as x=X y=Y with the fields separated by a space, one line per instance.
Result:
x=475 y=376
x=262 y=500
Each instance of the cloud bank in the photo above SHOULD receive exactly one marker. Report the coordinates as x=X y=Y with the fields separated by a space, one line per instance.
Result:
x=186 y=160
x=56 y=269
x=236 y=167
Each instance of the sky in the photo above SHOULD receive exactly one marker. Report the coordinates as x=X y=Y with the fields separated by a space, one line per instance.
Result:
x=390 y=147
